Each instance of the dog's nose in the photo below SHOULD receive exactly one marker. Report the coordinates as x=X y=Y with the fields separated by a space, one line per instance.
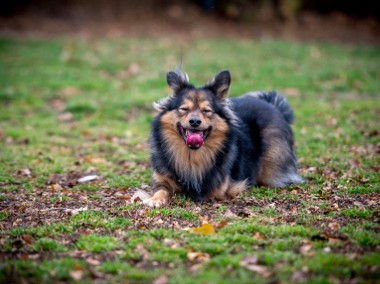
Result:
x=195 y=122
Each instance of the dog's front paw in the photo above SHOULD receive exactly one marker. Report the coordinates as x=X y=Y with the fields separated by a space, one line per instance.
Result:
x=153 y=202
x=159 y=199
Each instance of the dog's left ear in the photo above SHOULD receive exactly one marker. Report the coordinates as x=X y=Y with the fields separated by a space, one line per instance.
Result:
x=220 y=84
x=177 y=80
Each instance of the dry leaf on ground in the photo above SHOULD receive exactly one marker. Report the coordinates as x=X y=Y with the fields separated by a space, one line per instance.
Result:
x=229 y=213
x=140 y=195
x=163 y=279
x=307 y=249
x=88 y=178
x=205 y=229
x=198 y=256
x=250 y=263
x=76 y=274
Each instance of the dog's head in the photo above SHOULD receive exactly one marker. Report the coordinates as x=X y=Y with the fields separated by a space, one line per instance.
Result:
x=196 y=114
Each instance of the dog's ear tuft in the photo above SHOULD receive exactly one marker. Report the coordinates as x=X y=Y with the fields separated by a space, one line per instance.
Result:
x=220 y=84
x=177 y=80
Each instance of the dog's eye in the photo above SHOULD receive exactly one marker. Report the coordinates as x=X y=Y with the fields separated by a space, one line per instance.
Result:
x=184 y=109
x=207 y=111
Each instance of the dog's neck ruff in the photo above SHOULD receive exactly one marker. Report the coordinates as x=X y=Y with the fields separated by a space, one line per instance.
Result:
x=190 y=165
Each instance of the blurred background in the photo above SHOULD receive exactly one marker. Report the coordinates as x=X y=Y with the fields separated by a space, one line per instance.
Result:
x=346 y=21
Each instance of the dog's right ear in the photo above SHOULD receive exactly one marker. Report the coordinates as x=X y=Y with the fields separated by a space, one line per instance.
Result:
x=220 y=84
x=177 y=80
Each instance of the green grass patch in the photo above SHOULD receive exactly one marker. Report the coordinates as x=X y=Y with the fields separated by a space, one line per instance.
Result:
x=3 y=215
x=127 y=272
x=47 y=244
x=174 y=212
x=54 y=270
x=41 y=231
x=96 y=243
x=95 y=219
x=363 y=237
x=357 y=213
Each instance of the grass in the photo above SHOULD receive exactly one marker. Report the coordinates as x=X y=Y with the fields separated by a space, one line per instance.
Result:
x=73 y=108
x=95 y=243
x=46 y=244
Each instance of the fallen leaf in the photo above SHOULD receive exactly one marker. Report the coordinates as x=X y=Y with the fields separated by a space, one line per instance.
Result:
x=143 y=252
x=371 y=202
x=134 y=69
x=222 y=224
x=300 y=275
x=25 y=172
x=140 y=195
x=272 y=220
x=334 y=240
x=307 y=249
x=94 y=160
x=28 y=239
x=123 y=188
x=198 y=256
x=229 y=213
x=72 y=183
x=249 y=262
x=245 y=213
x=92 y=261
x=358 y=204
x=291 y=92
x=76 y=211
x=34 y=256
x=333 y=226
x=258 y=236
x=125 y=197
x=163 y=279
x=327 y=249
x=76 y=274
x=365 y=180
x=58 y=104
x=205 y=229
x=55 y=187
x=88 y=178
x=355 y=164
x=205 y=219
x=311 y=170
x=376 y=169
x=66 y=117
x=196 y=267
x=171 y=243
x=70 y=91
x=294 y=209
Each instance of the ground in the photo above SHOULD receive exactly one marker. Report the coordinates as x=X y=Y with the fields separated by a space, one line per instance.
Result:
x=184 y=21
x=77 y=108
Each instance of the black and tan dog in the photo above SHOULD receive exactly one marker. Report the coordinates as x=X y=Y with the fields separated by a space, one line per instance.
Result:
x=207 y=146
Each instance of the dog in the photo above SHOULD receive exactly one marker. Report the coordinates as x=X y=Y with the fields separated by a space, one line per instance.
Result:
x=207 y=146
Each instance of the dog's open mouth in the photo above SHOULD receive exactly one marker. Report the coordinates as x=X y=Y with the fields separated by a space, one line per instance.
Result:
x=194 y=138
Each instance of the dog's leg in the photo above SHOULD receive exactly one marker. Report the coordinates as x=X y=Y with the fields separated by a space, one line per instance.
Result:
x=229 y=190
x=236 y=188
x=164 y=188
x=220 y=192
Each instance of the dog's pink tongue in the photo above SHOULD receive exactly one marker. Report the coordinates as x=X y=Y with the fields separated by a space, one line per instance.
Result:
x=194 y=140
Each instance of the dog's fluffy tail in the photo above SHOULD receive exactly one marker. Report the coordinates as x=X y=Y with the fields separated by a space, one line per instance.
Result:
x=277 y=101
